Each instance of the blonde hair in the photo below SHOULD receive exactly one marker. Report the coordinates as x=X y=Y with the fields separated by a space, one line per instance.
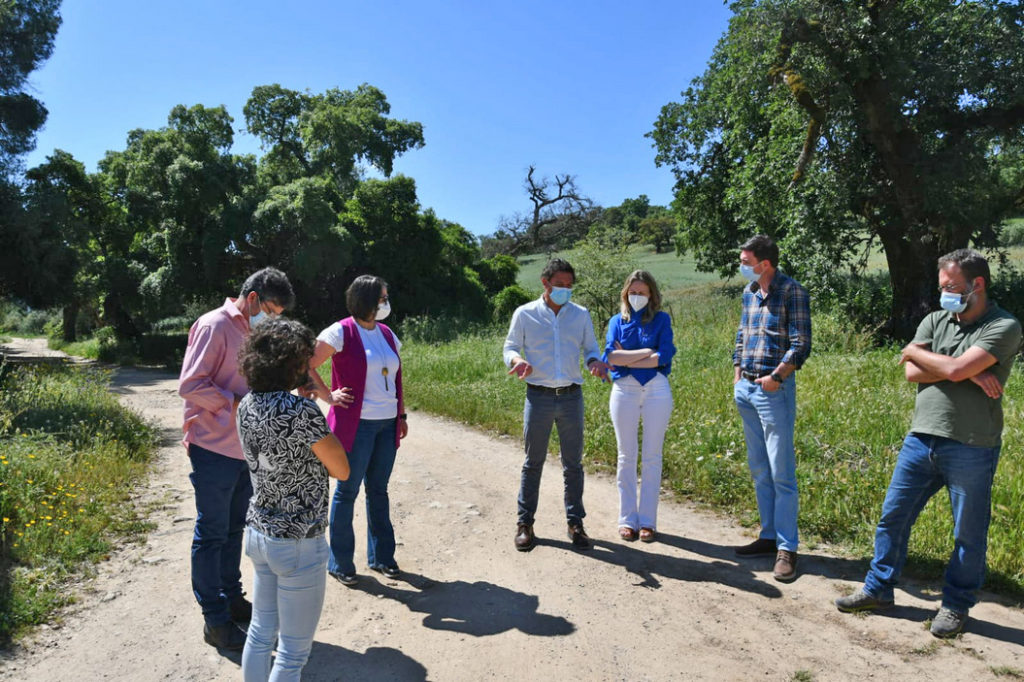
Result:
x=653 y=304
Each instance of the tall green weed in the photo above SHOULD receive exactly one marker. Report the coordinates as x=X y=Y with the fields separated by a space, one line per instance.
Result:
x=69 y=454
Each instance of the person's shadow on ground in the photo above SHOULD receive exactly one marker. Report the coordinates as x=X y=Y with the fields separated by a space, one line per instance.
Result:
x=649 y=564
x=479 y=608
x=333 y=662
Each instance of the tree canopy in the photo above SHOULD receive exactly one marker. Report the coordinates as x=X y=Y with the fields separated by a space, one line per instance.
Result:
x=840 y=125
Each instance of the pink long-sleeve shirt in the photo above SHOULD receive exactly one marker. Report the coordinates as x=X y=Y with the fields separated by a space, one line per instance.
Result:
x=210 y=380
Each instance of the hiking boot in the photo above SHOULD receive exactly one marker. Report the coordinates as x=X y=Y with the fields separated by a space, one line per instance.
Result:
x=579 y=537
x=525 y=538
x=785 y=566
x=861 y=601
x=224 y=636
x=948 y=623
x=240 y=609
x=759 y=547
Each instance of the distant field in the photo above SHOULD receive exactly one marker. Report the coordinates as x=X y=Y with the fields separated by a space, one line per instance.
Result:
x=673 y=272
x=670 y=271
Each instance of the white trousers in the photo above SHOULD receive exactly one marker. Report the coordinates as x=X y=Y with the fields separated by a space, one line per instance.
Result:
x=630 y=403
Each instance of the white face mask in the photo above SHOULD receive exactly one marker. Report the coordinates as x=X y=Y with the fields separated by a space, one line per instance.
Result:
x=383 y=310
x=638 y=301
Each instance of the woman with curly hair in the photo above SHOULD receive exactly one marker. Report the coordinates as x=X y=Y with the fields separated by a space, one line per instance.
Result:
x=640 y=348
x=365 y=360
x=290 y=453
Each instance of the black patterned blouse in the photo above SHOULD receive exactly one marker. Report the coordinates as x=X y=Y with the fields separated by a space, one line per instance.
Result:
x=289 y=484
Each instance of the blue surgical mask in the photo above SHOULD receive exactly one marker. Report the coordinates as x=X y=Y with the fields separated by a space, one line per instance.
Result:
x=953 y=302
x=748 y=272
x=560 y=295
x=257 y=318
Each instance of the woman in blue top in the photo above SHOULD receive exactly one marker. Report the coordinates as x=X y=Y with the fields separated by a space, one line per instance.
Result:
x=639 y=348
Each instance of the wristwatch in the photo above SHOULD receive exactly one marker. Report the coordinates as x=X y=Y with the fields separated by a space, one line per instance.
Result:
x=776 y=378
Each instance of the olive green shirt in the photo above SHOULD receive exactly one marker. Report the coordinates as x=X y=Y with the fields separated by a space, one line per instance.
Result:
x=960 y=409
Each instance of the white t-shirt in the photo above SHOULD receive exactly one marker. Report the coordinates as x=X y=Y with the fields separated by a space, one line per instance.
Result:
x=380 y=396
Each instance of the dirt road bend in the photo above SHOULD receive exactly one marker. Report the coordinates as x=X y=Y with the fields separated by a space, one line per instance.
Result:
x=469 y=607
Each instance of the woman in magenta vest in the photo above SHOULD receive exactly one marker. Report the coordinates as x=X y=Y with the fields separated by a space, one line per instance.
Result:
x=365 y=359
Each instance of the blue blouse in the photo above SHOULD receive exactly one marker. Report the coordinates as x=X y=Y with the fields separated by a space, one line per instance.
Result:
x=634 y=334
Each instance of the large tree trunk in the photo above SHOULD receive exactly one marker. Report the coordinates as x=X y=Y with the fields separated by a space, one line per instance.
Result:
x=70 y=320
x=913 y=268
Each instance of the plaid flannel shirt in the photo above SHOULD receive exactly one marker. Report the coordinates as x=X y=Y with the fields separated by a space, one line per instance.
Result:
x=774 y=326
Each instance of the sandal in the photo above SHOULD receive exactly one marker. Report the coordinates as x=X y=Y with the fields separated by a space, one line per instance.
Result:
x=647 y=535
x=627 y=533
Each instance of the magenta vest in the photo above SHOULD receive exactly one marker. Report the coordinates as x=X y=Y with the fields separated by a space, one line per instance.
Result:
x=348 y=368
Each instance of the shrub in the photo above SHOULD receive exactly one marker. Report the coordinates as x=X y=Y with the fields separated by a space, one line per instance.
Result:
x=507 y=300
x=1012 y=233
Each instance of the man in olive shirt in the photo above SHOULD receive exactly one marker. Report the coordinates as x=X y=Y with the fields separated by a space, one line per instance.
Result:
x=960 y=359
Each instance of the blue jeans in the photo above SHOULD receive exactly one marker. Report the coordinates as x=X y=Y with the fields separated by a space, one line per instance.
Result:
x=372 y=458
x=924 y=465
x=288 y=595
x=769 y=419
x=542 y=410
x=223 y=489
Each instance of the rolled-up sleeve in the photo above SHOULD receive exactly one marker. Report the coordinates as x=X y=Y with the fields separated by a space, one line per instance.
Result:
x=798 y=310
x=591 y=351
x=202 y=357
x=515 y=339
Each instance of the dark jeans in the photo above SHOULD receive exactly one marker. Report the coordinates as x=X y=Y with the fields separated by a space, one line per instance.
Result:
x=372 y=458
x=544 y=409
x=223 y=489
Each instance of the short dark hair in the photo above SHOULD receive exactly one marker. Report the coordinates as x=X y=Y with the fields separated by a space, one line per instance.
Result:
x=272 y=285
x=556 y=265
x=363 y=296
x=764 y=248
x=275 y=355
x=970 y=262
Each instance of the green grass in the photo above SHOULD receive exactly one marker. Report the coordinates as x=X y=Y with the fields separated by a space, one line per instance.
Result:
x=69 y=454
x=854 y=408
x=86 y=348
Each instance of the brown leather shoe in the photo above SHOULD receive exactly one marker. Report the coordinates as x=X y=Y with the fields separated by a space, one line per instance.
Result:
x=785 y=566
x=525 y=539
x=759 y=547
x=579 y=537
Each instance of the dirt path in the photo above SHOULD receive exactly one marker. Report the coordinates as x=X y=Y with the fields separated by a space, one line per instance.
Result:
x=469 y=607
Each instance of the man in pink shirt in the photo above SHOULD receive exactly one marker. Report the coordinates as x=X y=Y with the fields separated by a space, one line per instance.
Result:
x=212 y=387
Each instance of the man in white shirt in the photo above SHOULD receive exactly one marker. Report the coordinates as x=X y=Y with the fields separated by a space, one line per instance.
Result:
x=543 y=349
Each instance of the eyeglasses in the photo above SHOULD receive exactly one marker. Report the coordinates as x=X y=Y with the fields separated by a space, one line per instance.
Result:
x=384 y=299
x=952 y=289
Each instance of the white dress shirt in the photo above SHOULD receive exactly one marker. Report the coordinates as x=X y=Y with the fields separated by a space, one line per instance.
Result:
x=551 y=343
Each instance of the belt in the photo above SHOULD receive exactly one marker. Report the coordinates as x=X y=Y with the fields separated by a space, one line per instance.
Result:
x=561 y=390
x=751 y=376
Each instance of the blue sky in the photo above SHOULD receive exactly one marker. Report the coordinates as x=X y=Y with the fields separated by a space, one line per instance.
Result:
x=568 y=86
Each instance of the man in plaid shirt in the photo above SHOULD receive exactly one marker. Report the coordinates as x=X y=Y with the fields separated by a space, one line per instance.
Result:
x=772 y=343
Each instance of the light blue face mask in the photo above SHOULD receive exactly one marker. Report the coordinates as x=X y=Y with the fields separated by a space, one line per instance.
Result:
x=560 y=295
x=748 y=272
x=257 y=318
x=953 y=302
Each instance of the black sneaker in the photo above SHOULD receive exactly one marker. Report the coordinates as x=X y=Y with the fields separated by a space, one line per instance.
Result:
x=225 y=636
x=346 y=579
x=240 y=609
x=387 y=571
x=579 y=537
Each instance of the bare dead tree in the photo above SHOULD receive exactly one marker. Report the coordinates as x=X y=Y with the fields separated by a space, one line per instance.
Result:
x=558 y=209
